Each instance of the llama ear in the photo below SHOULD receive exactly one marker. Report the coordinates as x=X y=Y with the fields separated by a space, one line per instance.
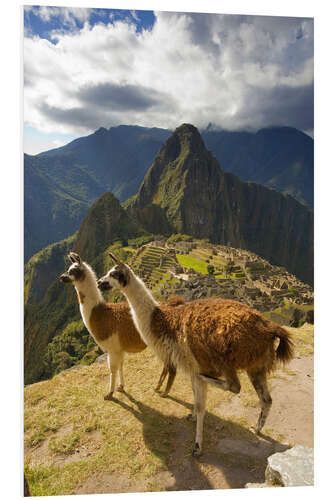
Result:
x=114 y=258
x=74 y=257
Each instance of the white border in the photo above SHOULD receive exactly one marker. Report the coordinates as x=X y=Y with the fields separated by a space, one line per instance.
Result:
x=12 y=241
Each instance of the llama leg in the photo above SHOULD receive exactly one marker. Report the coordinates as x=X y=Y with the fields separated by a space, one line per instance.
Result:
x=120 y=387
x=231 y=382
x=113 y=362
x=162 y=377
x=200 y=408
x=192 y=416
x=259 y=382
x=172 y=373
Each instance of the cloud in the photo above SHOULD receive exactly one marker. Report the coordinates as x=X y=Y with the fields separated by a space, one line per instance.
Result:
x=119 y=97
x=68 y=16
x=77 y=118
x=237 y=72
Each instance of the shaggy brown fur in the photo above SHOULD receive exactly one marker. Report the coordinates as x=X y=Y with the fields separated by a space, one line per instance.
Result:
x=223 y=334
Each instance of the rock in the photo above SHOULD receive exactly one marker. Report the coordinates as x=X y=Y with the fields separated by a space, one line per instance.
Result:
x=293 y=467
x=102 y=359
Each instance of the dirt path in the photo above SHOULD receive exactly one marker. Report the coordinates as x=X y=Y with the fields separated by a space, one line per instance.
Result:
x=231 y=462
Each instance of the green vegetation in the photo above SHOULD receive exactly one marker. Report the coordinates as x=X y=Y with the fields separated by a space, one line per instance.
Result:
x=210 y=269
x=68 y=348
x=174 y=238
x=141 y=240
x=288 y=312
x=191 y=263
x=44 y=267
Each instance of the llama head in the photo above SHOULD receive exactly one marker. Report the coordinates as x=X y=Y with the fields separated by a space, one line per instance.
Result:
x=118 y=277
x=76 y=271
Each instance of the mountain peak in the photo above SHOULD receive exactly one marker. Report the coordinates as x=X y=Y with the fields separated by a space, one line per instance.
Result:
x=186 y=128
x=183 y=152
x=183 y=169
x=190 y=138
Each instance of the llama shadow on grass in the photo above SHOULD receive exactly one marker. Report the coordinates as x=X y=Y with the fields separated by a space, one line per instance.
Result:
x=232 y=456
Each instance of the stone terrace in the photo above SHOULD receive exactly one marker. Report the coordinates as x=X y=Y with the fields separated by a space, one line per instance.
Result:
x=238 y=274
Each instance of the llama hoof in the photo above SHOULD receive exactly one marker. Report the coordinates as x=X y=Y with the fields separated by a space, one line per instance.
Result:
x=108 y=397
x=197 y=450
x=120 y=388
x=157 y=389
x=163 y=394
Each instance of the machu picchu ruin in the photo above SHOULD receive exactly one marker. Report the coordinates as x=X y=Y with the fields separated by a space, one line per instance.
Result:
x=197 y=269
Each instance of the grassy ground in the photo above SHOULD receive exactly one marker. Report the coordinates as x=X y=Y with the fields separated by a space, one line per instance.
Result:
x=72 y=435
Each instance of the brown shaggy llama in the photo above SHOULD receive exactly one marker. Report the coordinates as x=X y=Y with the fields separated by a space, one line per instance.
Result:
x=207 y=338
x=111 y=325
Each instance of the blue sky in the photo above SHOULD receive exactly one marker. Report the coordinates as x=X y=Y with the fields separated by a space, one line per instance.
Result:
x=86 y=68
x=42 y=23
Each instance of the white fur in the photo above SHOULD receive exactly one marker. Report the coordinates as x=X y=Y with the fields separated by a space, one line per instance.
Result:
x=92 y=295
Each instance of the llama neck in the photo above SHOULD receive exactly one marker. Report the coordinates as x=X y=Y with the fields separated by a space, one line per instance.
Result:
x=142 y=305
x=88 y=295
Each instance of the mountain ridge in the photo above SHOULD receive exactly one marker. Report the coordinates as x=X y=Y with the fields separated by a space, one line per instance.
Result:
x=116 y=159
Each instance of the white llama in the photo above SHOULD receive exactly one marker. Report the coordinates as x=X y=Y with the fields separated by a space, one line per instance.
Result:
x=207 y=338
x=110 y=325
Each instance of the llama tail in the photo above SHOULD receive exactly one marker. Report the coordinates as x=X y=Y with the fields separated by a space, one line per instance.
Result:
x=285 y=350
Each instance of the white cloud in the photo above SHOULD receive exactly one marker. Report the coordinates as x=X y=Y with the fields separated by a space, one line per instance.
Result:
x=233 y=71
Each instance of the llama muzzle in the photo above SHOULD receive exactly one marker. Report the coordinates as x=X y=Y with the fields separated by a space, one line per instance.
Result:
x=65 y=278
x=103 y=285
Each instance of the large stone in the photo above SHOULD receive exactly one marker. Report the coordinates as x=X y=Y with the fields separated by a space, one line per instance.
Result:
x=102 y=359
x=293 y=467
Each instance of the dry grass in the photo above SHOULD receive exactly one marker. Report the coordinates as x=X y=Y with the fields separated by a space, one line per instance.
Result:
x=72 y=434
x=135 y=431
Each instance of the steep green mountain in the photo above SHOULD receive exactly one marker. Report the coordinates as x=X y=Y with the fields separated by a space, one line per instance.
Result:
x=186 y=191
x=43 y=268
x=51 y=211
x=61 y=184
x=51 y=307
